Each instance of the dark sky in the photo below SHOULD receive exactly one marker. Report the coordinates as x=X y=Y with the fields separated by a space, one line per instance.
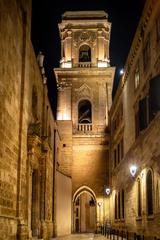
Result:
x=46 y=14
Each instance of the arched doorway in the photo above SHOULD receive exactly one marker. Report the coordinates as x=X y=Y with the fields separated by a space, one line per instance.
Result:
x=84 y=210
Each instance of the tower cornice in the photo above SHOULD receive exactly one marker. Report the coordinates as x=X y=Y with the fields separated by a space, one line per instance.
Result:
x=94 y=74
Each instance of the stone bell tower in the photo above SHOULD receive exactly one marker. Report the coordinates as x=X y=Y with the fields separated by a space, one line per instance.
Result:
x=84 y=81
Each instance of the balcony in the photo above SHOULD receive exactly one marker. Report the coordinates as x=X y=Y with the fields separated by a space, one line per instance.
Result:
x=87 y=127
x=84 y=64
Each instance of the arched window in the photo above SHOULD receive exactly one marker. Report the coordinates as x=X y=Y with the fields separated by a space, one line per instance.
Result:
x=84 y=112
x=139 y=206
x=157 y=196
x=34 y=102
x=115 y=207
x=85 y=53
x=149 y=183
x=123 y=204
x=119 y=206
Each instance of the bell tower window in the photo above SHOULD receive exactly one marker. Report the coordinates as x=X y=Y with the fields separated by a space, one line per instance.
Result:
x=85 y=53
x=84 y=112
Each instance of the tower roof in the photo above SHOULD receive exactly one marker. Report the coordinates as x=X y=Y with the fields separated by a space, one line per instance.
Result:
x=80 y=15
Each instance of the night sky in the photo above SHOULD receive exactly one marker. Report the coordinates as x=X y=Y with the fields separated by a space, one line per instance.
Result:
x=46 y=14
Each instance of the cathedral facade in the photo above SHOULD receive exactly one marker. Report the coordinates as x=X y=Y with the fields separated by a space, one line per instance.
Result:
x=98 y=161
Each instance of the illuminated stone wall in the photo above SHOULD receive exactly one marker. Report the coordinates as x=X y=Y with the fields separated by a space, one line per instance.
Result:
x=26 y=136
x=141 y=143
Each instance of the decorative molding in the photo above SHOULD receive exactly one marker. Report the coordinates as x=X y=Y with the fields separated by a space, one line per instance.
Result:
x=84 y=91
x=85 y=36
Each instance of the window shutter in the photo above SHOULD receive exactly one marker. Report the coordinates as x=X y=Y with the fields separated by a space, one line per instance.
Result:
x=143 y=113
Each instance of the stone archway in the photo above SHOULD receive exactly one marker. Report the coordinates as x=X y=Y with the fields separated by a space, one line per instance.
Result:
x=84 y=210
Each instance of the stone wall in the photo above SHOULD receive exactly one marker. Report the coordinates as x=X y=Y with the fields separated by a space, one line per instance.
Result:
x=63 y=204
x=27 y=127
x=142 y=148
x=90 y=164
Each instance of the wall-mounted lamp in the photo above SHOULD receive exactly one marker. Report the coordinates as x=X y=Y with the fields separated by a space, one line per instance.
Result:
x=107 y=191
x=133 y=170
x=99 y=204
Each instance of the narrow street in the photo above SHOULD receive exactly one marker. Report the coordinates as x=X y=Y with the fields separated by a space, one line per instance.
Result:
x=87 y=236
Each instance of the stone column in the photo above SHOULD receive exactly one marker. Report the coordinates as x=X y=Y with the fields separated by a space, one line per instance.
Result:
x=60 y=104
x=68 y=103
x=68 y=46
x=100 y=46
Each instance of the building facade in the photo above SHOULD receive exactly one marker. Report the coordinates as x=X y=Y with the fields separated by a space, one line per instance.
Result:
x=28 y=134
x=59 y=169
x=84 y=82
x=134 y=121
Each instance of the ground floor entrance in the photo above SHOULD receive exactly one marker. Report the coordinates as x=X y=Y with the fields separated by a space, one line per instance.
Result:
x=84 y=212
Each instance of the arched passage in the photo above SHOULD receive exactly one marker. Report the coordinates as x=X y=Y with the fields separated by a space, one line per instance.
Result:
x=84 y=210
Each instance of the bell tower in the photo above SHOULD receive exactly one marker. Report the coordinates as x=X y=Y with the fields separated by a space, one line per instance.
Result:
x=84 y=82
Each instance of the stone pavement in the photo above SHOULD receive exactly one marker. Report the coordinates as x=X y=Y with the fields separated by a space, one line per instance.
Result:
x=87 y=236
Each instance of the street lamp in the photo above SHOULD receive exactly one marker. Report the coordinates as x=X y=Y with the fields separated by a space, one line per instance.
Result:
x=133 y=170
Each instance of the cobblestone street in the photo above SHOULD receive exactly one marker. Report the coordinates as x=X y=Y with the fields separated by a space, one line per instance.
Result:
x=88 y=236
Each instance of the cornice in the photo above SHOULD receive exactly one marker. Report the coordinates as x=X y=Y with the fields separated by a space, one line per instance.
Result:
x=100 y=74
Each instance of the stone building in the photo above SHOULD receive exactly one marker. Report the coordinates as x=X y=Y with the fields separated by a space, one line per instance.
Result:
x=28 y=133
x=84 y=82
x=54 y=173
x=134 y=121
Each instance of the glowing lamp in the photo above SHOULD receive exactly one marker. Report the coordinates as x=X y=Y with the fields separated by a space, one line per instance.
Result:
x=133 y=170
x=107 y=191
x=99 y=204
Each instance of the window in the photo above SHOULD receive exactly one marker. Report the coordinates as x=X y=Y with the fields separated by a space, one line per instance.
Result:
x=122 y=204
x=136 y=77
x=157 y=196
x=118 y=153
x=85 y=53
x=139 y=206
x=119 y=206
x=137 y=124
x=143 y=113
x=154 y=96
x=115 y=208
x=84 y=112
x=146 y=54
x=149 y=188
